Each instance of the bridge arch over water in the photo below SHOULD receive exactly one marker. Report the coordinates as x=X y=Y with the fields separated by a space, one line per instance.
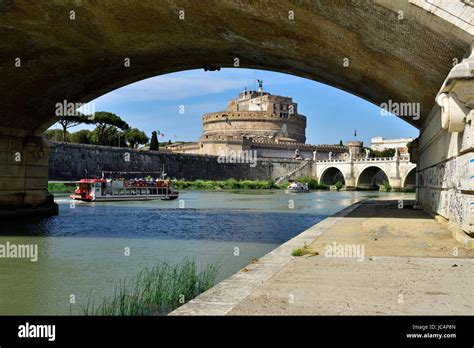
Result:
x=409 y=179
x=331 y=175
x=355 y=46
x=371 y=177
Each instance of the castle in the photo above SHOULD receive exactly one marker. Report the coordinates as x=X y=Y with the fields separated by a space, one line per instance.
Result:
x=267 y=124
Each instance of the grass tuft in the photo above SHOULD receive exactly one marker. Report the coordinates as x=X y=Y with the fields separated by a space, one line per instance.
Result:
x=155 y=291
x=304 y=250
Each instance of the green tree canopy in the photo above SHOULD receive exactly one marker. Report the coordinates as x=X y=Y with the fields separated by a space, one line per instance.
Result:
x=67 y=122
x=154 y=145
x=83 y=136
x=135 y=137
x=106 y=126
x=55 y=135
x=384 y=153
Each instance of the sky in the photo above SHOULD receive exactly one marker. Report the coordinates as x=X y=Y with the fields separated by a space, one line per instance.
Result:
x=332 y=114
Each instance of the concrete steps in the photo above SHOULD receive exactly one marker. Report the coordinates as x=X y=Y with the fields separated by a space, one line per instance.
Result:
x=291 y=173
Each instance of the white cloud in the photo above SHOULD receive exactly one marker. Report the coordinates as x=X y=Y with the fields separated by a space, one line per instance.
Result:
x=175 y=87
x=188 y=84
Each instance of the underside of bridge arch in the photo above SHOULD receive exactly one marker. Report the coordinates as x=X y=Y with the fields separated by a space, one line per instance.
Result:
x=371 y=178
x=76 y=51
x=331 y=176
x=82 y=58
x=410 y=180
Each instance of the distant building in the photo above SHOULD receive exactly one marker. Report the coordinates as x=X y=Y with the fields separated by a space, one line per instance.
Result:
x=260 y=121
x=381 y=144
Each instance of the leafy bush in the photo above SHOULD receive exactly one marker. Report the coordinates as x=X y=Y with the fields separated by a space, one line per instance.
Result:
x=339 y=185
x=385 y=186
x=61 y=188
x=231 y=184
x=312 y=182
x=248 y=184
x=269 y=184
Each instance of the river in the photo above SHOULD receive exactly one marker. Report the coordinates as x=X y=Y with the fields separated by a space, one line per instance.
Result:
x=84 y=250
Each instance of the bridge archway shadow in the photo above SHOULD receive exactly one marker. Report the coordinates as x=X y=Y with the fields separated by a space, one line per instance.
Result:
x=389 y=208
x=410 y=180
x=331 y=175
x=371 y=178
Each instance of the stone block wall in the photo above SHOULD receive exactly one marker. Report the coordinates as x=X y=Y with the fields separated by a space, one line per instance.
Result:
x=71 y=161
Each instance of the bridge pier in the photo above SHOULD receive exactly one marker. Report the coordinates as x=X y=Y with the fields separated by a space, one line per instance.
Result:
x=445 y=150
x=24 y=175
x=350 y=183
x=395 y=183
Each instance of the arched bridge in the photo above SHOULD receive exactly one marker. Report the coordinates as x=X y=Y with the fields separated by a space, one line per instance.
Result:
x=367 y=173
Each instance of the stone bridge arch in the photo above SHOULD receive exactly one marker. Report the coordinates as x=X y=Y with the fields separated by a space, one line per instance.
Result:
x=331 y=175
x=371 y=176
x=83 y=63
x=409 y=179
x=47 y=58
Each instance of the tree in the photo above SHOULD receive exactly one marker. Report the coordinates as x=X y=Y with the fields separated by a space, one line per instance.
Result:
x=135 y=137
x=384 y=153
x=67 y=122
x=340 y=142
x=111 y=136
x=83 y=136
x=106 y=126
x=55 y=135
x=154 y=145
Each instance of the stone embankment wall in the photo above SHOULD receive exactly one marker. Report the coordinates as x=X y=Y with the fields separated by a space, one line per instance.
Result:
x=72 y=162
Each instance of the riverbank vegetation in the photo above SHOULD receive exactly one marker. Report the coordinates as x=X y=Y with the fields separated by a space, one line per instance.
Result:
x=59 y=187
x=233 y=184
x=229 y=184
x=156 y=291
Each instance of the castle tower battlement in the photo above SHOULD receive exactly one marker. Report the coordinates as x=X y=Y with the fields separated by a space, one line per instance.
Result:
x=258 y=115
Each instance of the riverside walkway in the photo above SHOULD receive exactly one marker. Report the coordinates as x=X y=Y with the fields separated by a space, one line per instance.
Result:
x=411 y=265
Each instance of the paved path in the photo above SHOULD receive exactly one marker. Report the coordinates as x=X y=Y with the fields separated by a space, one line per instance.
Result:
x=411 y=265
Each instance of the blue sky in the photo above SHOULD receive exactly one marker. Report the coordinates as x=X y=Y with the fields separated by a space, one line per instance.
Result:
x=332 y=114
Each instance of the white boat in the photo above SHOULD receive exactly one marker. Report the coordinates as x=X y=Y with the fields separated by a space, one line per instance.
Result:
x=297 y=187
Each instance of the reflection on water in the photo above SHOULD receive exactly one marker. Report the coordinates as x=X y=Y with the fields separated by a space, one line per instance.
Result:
x=81 y=251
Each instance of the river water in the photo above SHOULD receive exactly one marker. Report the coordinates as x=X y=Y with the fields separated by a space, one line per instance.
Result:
x=84 y=250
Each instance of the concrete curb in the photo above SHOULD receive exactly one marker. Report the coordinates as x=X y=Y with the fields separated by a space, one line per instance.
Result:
x=459 y=234
x=456 y=231
x=223 y=297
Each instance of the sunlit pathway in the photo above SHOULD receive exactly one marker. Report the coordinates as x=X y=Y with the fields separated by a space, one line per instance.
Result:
x=405 y=262
x=409 y=267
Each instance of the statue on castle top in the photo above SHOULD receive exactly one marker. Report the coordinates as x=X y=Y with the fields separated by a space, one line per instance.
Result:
x=330 y=155
x=315 y=154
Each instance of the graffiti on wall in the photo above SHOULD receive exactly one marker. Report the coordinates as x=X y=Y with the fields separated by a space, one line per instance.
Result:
x=447 y=187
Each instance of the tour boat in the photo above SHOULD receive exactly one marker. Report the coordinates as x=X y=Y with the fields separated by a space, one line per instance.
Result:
x=297 y=187
x=107 y=190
